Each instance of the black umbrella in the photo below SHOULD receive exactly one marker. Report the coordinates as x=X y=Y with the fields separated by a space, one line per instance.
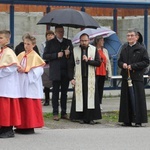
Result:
x=69 y=18
x=131 y=94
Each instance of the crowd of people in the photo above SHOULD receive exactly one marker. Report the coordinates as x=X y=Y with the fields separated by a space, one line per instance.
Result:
x=85 y=66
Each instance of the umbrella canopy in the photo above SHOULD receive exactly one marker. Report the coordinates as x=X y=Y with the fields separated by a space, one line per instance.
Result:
x=112 y=42
x=69 y=18
x=105 y=32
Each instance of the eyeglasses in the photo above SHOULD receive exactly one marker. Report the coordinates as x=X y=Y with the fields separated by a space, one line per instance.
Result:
x=132 y=35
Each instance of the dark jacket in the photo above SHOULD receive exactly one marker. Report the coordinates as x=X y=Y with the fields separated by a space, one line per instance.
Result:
x=137 y=57
x=20 y=48
x=58 y=66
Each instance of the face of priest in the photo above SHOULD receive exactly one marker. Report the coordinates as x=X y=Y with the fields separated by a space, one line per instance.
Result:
x=28 y=45
x=3 y=40
x=132 y=38
x=84 y=41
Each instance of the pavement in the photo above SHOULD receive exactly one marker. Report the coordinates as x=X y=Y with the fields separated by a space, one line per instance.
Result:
x=89 y=137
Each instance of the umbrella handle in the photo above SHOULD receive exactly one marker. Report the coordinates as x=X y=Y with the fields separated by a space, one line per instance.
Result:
x=128 y=73
x=129 y=79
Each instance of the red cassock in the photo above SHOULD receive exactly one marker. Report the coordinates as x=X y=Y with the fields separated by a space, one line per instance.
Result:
x=31 y=116
x=11 y=107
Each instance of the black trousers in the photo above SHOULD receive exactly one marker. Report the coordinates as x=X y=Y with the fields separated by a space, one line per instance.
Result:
x=46 y=91
x=64 y=84
x=100 y=80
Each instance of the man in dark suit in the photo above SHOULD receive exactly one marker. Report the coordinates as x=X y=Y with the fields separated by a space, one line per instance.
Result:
x=57 y=53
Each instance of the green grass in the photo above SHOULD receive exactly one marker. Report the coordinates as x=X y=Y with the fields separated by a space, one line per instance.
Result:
x=108 y=116
x=48 y=115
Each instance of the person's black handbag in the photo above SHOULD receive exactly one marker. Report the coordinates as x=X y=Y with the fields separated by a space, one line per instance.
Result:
x=45 y=77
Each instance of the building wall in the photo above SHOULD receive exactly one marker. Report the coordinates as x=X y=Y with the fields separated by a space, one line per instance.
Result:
x=93 y=11
x=27 y=22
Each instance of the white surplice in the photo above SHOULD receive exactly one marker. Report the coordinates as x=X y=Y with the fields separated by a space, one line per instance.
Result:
x=31 y=83
x=9 y=82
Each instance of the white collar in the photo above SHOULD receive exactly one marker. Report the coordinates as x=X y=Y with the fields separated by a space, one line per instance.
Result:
x=132 y=44
x=60 y=40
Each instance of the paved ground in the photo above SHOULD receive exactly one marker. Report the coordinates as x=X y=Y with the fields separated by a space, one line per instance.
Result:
x=87 y=137
x=81 y=139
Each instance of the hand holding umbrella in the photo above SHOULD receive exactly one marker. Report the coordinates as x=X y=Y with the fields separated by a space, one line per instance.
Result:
x=60 y=54
x=67 y=52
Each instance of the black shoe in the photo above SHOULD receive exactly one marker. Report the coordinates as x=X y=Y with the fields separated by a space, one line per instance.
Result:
x=1 y=130
x=92 y=122
x=56 y=118
x=89 y=122
x=81 y=122
x=126 y=124
x=46 y=103
x=138 y=124
x=7 y=134
x=25 y=131
x=65 y=117
x=18 y=131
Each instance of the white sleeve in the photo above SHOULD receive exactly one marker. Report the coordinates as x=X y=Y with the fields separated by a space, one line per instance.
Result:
x=35 y=73
x=7 y=71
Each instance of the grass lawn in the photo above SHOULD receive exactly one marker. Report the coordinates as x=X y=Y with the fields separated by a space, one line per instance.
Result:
x=109 y=119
